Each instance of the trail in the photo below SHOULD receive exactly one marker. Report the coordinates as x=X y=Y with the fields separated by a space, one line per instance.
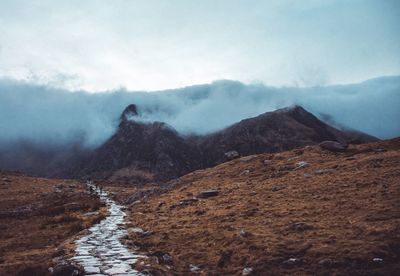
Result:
x=101 y=252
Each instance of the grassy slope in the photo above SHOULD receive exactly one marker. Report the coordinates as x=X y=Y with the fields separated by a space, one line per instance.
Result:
x=36 y=221
x=336 y=221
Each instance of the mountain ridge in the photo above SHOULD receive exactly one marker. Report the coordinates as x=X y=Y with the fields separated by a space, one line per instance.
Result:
x=151 y=152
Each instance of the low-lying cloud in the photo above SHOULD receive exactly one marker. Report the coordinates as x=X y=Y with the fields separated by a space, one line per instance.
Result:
x=41 y=114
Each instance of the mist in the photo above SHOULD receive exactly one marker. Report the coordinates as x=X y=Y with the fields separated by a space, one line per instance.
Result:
x=40 y=114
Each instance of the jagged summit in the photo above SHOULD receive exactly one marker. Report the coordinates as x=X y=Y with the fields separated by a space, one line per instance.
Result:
x=129 y=111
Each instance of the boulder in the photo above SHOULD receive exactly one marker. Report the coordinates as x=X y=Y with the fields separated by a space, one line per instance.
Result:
x=207 y=194
x=333 y=146
x=300 y=226
x=232 y=154
x=244 y=233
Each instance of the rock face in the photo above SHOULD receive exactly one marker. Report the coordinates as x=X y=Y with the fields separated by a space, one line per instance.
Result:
x=144 y=152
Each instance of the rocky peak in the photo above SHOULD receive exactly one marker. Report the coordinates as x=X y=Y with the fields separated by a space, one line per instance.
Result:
x=129 y=111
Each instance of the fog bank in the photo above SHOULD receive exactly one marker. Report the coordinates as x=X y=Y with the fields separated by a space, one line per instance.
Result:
x=42 y=114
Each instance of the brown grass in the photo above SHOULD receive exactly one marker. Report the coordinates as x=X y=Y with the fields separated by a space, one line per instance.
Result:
x=37 y=220
x=332 y=217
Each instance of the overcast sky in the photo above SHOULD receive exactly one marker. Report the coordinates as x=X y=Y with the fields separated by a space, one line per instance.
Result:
x=149 y=45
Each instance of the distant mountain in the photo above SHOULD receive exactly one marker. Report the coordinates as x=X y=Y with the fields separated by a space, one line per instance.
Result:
x=144 y=152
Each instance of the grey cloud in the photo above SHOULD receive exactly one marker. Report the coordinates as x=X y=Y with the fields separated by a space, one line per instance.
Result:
x=42 y=114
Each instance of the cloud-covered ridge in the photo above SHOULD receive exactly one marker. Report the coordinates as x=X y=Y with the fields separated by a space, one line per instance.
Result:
x=42 y=114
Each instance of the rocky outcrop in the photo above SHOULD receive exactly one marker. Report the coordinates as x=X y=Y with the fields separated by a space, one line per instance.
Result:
x=130 y=111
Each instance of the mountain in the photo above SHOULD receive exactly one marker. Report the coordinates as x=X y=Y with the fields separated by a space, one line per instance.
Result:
x=147 y=152
x=139 y=151
x=280 y=130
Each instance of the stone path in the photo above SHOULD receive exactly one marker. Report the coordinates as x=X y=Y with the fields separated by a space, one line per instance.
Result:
x=101 y=252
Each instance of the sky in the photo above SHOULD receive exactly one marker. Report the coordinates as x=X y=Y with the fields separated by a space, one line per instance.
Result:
x=97 y=45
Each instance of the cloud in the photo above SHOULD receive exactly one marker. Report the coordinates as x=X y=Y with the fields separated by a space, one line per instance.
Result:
x=161 y=44
x=44 y=115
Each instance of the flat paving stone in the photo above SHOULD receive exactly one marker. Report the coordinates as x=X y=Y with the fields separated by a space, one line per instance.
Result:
x=92 y=270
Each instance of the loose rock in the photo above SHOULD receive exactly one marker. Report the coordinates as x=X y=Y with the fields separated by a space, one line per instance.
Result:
x=267 y=162
x=247 y=271
x=291 y=262
x=323 y=171
x=244 y=233
x=350 y=158
x=194 y=268
x=277 y=188
x=245 y=172
x=301 y=164
x=136 y=230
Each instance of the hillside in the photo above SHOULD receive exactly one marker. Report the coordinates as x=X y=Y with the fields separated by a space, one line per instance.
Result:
x=38 y=219
x=304 y=211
